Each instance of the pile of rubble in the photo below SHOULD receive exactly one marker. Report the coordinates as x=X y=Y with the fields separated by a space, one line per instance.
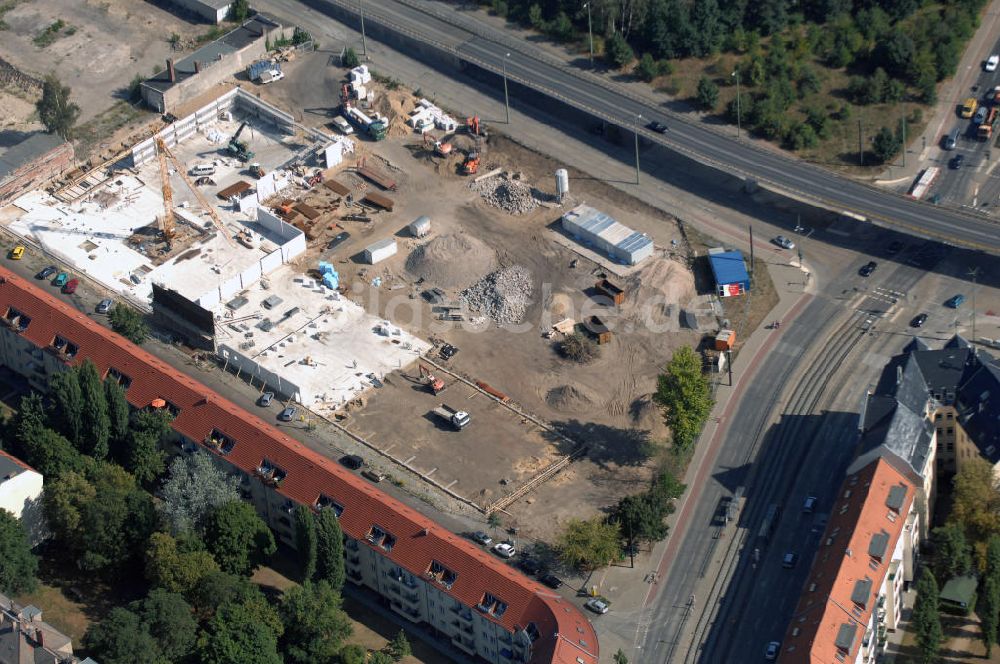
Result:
x=507 y=192
x=503 y=296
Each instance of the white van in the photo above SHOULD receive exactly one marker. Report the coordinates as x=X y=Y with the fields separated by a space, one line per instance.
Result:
x=203 y=169
x=341 y=123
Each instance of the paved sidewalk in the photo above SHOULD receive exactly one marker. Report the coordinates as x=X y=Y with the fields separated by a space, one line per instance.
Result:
x=630 y=590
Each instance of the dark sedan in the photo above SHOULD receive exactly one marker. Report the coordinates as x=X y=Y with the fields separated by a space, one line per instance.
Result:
x=658 y=127
x=867 y=269
x=918 y=320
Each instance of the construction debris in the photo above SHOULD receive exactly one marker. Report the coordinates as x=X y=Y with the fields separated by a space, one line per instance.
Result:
x=508 y=193
x=503 y=296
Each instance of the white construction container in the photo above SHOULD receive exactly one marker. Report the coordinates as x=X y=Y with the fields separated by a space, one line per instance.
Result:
x=360 y=74
x=379 y=251
x=597 y=229
x=420 y=226
x=562 y=182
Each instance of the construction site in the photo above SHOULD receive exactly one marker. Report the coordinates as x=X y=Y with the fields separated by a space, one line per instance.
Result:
x=408 y=274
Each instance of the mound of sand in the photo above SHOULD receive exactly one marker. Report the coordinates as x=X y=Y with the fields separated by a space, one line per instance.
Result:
x=663 y=279
x=452 y=261
x=570 y=399
x=645 y=414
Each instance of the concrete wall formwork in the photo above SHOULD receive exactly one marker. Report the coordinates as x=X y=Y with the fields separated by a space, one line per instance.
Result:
x=246 y=366
x=254 y=106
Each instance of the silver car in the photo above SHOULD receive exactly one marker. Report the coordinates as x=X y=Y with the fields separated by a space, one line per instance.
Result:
x=784 y=242
x=104 y=306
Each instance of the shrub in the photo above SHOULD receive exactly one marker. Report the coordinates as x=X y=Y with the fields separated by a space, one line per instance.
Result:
x=578 y=348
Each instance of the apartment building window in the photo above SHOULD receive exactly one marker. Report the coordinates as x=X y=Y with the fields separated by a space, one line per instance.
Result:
x=324 y=501
x=951 y=416
x=950 y=446
x=937 y=416
x=940 y=431
x=951 y=430
x=119 y=378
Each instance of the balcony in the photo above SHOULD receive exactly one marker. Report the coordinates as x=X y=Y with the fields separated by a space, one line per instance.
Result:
x=412 y=597
x=462 y=645
x=354 y=560
x=354 y=575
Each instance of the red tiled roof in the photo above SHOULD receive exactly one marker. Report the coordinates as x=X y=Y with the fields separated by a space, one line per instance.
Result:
x=840 y=565
x=419 y=540
x=17 y=461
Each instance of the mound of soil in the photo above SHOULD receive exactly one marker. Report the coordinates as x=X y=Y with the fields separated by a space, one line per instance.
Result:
x=452 y=261
x=647 y=415
x=570 y=399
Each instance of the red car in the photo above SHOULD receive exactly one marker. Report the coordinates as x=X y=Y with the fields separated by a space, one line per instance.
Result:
x=70 y=286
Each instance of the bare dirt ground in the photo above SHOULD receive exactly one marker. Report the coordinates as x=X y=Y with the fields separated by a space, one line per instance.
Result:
x=103 y=44
x=603 y=405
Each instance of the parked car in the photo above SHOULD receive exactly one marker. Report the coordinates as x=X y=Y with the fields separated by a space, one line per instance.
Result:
x=980 y=116
x=529 y=565
x=809 y=505
x=658 y=127
x=505 y=550
x=104 y=306
x=771 y=651
x=45 y=273
x=956 y=161
x=288 y=414
x=789 y=559
x=992 y=62
x=265 y=399
x=969 y=107
x=352 y=461
x=784 y=242
x=918 y=320
x=955 y=301
x=551 y=580
x=868 y=268
x=70 y=286
x=60 y=279
x=338 y=240
x=17 y=252
x=597 y=605
x=480 y=537
x=372 y=475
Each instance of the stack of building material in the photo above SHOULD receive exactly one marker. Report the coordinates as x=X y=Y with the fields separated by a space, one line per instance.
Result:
x=329 y=276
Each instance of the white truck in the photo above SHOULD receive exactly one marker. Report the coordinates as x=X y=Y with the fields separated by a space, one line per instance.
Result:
x=457 y=418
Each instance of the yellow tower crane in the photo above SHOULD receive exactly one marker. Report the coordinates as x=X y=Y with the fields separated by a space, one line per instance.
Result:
x=162 y=149
x=167 y=220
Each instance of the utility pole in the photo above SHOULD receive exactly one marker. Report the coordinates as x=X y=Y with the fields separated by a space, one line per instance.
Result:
x=861 y=146
x=903 y=125
x=590 y=31
x=364 y=43
x=506 y=98
x=974 y=272
x=739 y=113
x=751 y=255
x=636 y=131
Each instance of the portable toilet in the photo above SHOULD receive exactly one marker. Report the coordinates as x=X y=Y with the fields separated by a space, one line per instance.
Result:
x=420 y=226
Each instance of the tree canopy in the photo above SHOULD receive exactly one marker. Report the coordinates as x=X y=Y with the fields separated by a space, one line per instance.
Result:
x=234 y=635
x=315 y=624
x=55 y=110
x=951 y=552
x=177 y=566
x=329 y=549
x=129 y=323
x=305 y=540
x=18 y=565
x=926 y=620
x=684 y=394
x=238 y=539
x=193 y=488
x=976 y=498
x=589 y=544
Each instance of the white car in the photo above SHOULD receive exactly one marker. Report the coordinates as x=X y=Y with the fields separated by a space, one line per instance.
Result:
x=992 y=62
x=784 y=242
x=597 y=605
x=504 y=550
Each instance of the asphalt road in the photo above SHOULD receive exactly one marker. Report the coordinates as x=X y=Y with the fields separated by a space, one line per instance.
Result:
x=471 y=41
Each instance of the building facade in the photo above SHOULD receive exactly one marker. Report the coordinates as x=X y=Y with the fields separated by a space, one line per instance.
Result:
x=21 y=495
x=424 y=572
x=31 y=163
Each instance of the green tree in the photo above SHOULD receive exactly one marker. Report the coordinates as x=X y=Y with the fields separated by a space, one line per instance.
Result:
x=589 y=544
x=685 y=396
x=976 y=500
x=146 y=457
x=886 y=144
x=808 y=82
x=494 y=521
x=217 y=588
x=121 y=638
x=315 y=624
x=239 y=10
x=234 y=635
x=177 y=567
x=329 y=549
x=647 y=69
x=67 y=406
x=641 y=516
x=989 y=612
x=535 y=18
x=707 y=93
x=194 y=487
x=378 y=657
x=618 y=51
x=94 y=417
x=561 y=28
x=991 y=559
x=129 y=323
x=100 y=515
x=951 y=551
x=305 y=541
x=169 y=620
x=18 y=565
x=118 y=415
x=353 y=654
x=238 y=539
x=44 y=449
x=620 y=657
x=399 y=647
x=55 y=110
x=350 y=58
x=926 y=620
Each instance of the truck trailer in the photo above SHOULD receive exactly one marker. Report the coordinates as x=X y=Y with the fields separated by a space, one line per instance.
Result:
x=459 y=419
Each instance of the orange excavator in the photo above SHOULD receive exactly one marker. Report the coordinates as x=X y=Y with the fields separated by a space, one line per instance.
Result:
x=471 y=164
x=433 y=383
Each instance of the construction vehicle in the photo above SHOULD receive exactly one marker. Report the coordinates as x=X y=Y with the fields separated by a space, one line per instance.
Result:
x=167 y=220
x=256 y=170
x=162 y=150
x=457 y=418
x=471 y=164
x=474 y=126
x=237 y=148
x=433 y=383
x=985 y=130
x=375 y=127
x=441 y=148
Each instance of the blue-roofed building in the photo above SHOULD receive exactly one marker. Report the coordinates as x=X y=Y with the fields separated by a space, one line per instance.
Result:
x=729 y=271
x=600 y=231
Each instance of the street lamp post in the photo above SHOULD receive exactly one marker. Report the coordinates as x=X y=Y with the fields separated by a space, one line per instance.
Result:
x=364 y=43
x=506 y=98
x=590 y=31
x=739 y=113
x=636 y=132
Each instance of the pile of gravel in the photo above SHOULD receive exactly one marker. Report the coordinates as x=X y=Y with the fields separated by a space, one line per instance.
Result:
x=452 y=261
x=503 y=296
x=507 y=193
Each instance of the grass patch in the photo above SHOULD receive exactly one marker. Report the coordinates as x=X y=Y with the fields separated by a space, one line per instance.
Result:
x=6 y=7
x=212 y=34
x=58 y=610
x=47 y=36
x=92 y=133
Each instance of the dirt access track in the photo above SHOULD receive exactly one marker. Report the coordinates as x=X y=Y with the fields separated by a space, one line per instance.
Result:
x=603 y=406
x=102 y=45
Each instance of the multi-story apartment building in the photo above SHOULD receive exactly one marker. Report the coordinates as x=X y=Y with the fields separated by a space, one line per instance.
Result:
x=424 y=572
x=853 y=593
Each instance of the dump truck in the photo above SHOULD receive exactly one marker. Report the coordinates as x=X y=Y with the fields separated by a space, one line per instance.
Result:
x=457 y=418
x=985 y=130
